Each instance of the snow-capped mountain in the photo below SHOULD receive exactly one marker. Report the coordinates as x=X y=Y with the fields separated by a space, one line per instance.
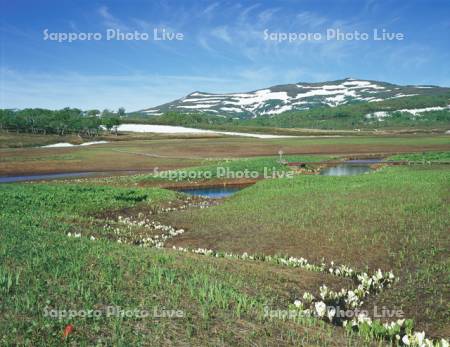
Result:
x=291 y=97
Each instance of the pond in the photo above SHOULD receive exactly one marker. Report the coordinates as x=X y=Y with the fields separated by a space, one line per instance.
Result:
x=345 y=170
x=350 y=167
x=210 y=192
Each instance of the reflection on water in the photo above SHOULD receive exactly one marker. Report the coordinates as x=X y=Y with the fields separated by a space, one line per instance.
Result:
x=364 y=161
x=345 y=170
x=213 y=192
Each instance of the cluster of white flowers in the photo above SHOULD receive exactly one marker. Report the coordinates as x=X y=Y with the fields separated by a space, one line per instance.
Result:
x=341 y=270
x=203 y=251
x=299 y=262
x=130 y=222
x=353 y=299
x=418 y=339
x=350 y=298
x=171 y=209
x=307 y=297
x=74 y=234
x=398 y=331
x=325 y=307
x=159 y=241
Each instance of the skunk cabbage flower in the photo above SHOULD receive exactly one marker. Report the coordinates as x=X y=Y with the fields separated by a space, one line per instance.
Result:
x=405 y=340
x=298 y=303
x=320 y=308
x=331 y=312
x=419 y=337
x=323 y=291
x=308 y=297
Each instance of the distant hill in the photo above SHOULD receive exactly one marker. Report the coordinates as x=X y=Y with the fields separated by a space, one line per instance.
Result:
x=288 y=98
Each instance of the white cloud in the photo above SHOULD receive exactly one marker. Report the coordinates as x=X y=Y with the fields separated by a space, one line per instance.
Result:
x=309 y=19
x=209 y=10
x=110 y=21
x=267 y=15
x=221 y=33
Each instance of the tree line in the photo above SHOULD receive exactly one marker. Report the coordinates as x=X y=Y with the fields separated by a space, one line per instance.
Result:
x=60 y=122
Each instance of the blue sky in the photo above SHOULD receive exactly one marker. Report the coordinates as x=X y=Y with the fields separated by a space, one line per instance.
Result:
x=223 y=49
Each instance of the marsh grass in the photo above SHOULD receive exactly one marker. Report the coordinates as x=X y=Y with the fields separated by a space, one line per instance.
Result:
x=395 y=219
x=40 y=267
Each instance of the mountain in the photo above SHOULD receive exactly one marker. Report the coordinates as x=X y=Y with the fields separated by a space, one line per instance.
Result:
x=291 y=97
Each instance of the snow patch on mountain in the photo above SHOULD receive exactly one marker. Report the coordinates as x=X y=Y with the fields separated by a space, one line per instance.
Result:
x=290 y=97
x=413 y=111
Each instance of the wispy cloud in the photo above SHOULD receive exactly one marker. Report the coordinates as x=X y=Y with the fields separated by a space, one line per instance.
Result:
x=110 y=21
x=224 y=51
x=210 y=9
x=310 y=20
x=222 y=34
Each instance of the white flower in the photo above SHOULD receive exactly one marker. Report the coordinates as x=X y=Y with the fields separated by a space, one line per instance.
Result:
x=77 y=235
x=323 y=291
x=298 y=303
x=320 y=308
x=92 y=238
x=331 y=312
x=405 y=340
x=69 y=234
x=419 y=337
x=362 y=318
x=378 y=275
x=308 y=297
x=444 y=343
x=352 y=299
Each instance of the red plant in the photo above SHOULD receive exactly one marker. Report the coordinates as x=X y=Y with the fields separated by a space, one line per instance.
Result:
x=68 y=330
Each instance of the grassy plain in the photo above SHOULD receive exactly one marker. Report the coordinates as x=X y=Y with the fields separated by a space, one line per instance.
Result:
x=394 y=219
x=145 y=155
x=222 y=300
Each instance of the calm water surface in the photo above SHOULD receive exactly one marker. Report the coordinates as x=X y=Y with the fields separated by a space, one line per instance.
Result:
x=351 y=167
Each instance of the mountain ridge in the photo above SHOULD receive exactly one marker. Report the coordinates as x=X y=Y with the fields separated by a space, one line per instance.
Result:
x=300 y=96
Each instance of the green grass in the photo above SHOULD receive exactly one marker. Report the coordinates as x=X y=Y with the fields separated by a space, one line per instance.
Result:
x=15 y=140
x=259 y=167
x=425 y=156
x=396 y=219
x=260 y=164
x=43 y=269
